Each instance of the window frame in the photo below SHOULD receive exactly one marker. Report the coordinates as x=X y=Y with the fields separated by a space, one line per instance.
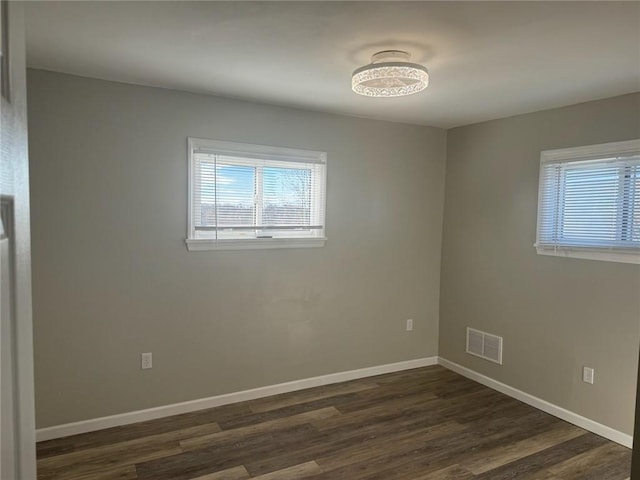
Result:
x=262 y=152
x=584 y=154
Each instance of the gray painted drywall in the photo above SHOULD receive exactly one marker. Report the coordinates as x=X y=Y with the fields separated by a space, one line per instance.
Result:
x=14 y=185
x=113 y=278
x=556 y=314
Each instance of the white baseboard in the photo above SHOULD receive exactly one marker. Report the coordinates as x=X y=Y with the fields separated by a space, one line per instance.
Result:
x=94 y=424
x=562 y=413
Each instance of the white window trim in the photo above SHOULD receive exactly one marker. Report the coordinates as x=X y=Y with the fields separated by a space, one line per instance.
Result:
x=251 y=150
x=587 y=152
x=591 y=254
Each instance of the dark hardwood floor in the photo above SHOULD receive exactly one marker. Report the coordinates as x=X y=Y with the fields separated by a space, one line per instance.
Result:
x=422 y=424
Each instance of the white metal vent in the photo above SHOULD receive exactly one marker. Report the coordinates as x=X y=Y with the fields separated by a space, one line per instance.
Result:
x=484 y=345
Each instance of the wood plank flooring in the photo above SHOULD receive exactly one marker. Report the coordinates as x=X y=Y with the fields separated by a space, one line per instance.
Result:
x=422 y=424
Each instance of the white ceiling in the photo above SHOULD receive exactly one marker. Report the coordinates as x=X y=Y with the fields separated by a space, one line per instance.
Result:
x=486 y=59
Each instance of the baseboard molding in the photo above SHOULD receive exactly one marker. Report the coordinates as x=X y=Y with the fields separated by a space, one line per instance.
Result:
x=562 y=413
x=94 y=424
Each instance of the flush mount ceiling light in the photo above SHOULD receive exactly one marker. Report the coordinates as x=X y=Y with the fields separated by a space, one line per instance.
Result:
x=390 y=74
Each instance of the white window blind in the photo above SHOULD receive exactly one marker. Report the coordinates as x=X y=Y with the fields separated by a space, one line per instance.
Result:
x=589 y=202
x=252 y=196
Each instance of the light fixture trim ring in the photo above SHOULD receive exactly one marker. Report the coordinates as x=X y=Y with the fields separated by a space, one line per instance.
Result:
x=375 y=66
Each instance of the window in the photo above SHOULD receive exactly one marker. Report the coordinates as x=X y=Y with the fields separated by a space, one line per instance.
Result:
x=254 y=196
x=589 y=202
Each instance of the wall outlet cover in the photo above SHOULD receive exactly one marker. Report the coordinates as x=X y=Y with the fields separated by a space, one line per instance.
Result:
x=146 y=360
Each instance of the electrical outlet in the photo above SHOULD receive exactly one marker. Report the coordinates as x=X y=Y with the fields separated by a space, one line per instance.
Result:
x=146 y=360
x=409 y=324
x=587 y=375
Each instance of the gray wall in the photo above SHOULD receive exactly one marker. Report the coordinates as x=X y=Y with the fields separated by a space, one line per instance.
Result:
x=555 y=314
x=14 y=184
x=113 y=278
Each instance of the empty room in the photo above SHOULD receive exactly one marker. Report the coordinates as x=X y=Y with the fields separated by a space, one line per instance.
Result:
x=319 y=240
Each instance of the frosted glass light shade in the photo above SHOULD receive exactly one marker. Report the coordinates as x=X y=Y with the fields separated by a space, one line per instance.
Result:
x=383 y=78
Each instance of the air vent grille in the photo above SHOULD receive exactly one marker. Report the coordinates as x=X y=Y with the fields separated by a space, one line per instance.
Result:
x=484 y=345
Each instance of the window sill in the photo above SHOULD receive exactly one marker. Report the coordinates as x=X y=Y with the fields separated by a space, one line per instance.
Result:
x=200 y=244
x=601 y=254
